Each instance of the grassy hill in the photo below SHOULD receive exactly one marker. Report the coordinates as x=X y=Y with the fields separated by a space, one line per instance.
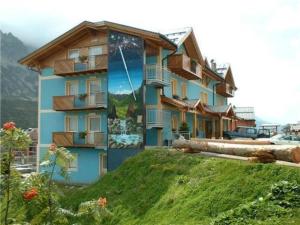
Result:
x=165 y=187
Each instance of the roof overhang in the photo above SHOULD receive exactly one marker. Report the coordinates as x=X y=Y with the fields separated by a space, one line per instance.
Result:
x=32 y=59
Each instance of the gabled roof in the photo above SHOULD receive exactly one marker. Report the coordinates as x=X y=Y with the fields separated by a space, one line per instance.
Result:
x=225 y=71
x=246 y=113
x=186 y=37
x=84 y=27
x=222 y=109
x=178 y=35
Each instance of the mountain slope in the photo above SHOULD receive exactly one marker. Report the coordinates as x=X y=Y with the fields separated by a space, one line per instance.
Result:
x=165 y=187
x=19 y=86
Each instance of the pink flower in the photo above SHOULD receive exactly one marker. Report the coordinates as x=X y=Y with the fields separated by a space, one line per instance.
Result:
x=9 y=126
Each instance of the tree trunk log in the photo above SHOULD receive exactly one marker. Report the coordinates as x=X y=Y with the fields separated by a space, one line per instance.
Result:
x=239 y=141
x=289 y=153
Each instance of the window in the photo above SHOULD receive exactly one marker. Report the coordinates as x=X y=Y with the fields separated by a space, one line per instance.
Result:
x=205 y=81
x=174 y=87
x=71 y=123
x=193 y=66
x=95 y=50
x=174 y=123
x=74 y=54
x=204 y=98
x=94 y=123
x=72 y=87
x=73 y=164
x=103 y=164
x=220 y=101
x=183 y=116
x=201 y=124
x=93 y=87
x=183 y=90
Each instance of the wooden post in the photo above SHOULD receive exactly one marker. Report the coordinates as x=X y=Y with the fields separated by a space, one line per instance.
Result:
x=195 y=125
x=221 y=127
x=213 y=135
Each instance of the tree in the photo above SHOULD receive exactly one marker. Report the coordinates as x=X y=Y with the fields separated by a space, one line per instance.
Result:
x=12 y=139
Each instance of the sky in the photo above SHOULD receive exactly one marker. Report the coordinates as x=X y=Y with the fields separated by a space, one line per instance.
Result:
x=260 y=39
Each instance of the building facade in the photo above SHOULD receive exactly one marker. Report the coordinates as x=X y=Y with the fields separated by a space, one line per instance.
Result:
x=107 y=90
x=245 y=116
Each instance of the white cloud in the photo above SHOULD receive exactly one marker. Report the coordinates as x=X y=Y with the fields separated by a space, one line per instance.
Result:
x=260 y=39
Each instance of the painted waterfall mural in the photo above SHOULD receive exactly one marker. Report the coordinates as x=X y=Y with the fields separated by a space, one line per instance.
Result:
x=125 y=92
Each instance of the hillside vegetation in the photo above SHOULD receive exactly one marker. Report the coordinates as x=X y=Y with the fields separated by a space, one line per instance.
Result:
x=168 y=187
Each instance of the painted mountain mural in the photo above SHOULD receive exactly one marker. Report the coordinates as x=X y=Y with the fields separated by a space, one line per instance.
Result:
x=125 y=92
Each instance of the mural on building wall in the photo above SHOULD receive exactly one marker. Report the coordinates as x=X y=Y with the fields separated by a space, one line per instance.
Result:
x=125 y=92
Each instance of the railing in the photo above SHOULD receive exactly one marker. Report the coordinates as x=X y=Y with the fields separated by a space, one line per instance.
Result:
x=185 y=66
x=155 y=118
x=79 y=139
x=81 y=101
x=157 y=75
x=69 y=66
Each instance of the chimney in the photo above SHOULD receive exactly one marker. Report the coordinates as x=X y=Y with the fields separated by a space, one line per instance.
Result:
x=213 y=65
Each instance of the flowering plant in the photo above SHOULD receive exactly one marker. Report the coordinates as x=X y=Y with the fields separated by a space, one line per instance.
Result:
x=30 y=194
x=11 y=139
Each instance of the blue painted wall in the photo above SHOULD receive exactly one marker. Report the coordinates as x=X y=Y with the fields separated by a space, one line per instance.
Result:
x=88 y=166
x=151 y=137
x=115 y=157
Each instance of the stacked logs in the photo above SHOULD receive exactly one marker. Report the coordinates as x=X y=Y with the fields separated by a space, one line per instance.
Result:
x=259 y=153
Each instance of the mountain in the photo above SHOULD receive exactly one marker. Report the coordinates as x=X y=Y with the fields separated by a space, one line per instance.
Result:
x=19 y=85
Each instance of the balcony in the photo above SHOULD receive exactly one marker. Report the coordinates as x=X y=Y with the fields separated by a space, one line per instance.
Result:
x=155 y=118
x=80 y=102
x=157 y=76
x=92 y=64
x=225 y=90
x=184 y=66
x=80 y=139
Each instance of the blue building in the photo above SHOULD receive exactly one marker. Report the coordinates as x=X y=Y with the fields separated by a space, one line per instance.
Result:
x=107 y=90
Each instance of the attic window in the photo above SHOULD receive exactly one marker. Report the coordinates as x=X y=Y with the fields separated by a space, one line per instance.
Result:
x=74 y=54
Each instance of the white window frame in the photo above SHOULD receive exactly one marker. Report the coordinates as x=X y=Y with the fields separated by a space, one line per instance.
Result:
x=75 y=161
x=102 y=173
x=75 y=59
x=75 y=82
x=66 y=125
x=96 y=46
x=91 y=116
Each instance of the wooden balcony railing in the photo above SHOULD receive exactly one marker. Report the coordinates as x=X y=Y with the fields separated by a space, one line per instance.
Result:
x=225 y=89
x=157 y=75
x=155 y=118
x=75 y=139
x=80 y=102
x=71 y=67
x=184 y=66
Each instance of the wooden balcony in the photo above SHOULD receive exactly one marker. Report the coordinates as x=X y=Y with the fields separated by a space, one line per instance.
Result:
x=155 y=118
x=157 y=76
x=80 y=102
x=74 y=139
x=225 y=90
x=69 y=67
x=184 y=66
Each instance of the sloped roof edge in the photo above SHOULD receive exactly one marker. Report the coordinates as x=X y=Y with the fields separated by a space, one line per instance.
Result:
x=87 y=24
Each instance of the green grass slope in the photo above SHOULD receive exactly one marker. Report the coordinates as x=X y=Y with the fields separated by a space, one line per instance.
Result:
x=165 y=187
